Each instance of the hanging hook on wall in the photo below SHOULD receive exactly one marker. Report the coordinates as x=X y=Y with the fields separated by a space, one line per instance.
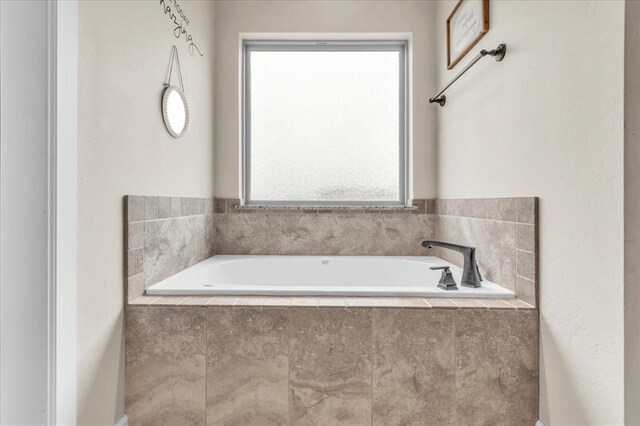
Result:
x=174 y=58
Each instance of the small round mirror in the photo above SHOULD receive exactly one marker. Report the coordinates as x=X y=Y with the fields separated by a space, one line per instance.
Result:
x=175 y=111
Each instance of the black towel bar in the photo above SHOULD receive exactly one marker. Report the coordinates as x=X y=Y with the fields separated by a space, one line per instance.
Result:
x=498 y=53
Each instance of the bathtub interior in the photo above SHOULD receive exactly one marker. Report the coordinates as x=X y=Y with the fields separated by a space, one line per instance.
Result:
x=320 y=276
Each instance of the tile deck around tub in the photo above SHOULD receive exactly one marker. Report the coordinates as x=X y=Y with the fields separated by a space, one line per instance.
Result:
x=334 y=302
x=244 y=365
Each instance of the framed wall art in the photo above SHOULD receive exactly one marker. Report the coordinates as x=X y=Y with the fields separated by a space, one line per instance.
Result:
x=466 y=25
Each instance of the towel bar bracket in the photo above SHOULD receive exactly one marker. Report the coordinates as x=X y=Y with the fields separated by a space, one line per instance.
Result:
x=498 y=52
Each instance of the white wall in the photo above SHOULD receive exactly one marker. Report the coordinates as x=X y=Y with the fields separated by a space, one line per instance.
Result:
x=632 y=211
x=23 y=212
x=347 y=17
x=123 y=148
x=547 y=122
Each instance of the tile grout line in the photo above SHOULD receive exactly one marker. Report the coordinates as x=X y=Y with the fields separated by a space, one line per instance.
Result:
x=512 y=306
x=206 y=362
x=371 y=365
x=515 y=264
x=455 y=365
x=482 y=218
x=157 y=219
x=525 y=251
x=525 y=278
x=505 y=303
x=290 y=421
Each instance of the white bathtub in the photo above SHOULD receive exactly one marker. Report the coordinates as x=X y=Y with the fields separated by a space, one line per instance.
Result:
x=320 y=276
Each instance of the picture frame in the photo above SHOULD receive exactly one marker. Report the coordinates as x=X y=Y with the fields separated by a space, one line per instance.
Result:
x=466 y=25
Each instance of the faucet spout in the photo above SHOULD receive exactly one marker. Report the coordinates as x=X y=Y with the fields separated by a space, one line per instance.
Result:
x=470 y=273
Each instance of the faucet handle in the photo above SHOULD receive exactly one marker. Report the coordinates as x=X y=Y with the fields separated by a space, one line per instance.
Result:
x=446 y=280
x=436 y=268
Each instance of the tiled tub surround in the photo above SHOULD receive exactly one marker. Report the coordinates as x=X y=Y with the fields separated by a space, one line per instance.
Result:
x=163 y=236
x=504 y=231
x=381 y=231
x=167 y=234
x=353 y=366
x=335 y=360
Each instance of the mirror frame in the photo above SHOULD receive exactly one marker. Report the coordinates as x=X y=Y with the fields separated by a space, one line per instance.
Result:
x=165 y=100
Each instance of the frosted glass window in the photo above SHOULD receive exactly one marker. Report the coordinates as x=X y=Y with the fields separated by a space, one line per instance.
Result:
x=324 y=123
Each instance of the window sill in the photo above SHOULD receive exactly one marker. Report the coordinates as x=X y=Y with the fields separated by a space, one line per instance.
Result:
x=231 y=205
x=325 y=209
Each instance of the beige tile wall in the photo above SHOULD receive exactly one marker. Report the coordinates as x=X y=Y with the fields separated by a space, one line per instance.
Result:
x=505 y=234
x=165 y=360
x=321 y=230
x=164 y=235
x=268 y=361
x=224 y=365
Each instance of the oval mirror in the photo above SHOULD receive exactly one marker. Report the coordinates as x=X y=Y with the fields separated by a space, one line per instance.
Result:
x=175 y=111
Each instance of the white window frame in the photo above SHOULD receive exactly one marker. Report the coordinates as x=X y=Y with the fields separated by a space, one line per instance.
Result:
x=400 y=46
